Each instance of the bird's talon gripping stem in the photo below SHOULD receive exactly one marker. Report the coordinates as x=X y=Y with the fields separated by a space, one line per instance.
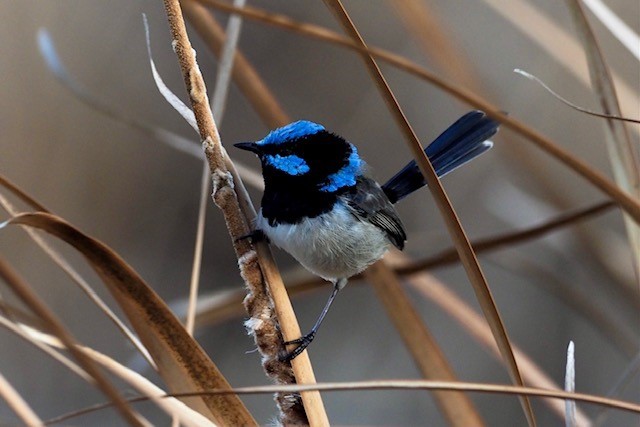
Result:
x=302 y=343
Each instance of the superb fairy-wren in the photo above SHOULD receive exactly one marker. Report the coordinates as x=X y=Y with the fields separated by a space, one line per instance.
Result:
x=321 y=207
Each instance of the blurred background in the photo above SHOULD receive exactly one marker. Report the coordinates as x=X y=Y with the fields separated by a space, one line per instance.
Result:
x=141 y=197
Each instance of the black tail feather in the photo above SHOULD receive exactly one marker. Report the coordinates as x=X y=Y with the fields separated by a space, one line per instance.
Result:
x=463 y=141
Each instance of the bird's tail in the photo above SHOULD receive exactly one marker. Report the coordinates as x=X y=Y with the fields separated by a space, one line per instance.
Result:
x=463 y=141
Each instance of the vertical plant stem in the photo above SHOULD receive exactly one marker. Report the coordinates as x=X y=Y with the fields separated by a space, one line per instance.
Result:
x=221 y=90
x=226 y=199
x=197 y=251
x=467 y=256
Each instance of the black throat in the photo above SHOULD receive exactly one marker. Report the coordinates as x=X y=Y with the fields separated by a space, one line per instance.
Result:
x=292 y=201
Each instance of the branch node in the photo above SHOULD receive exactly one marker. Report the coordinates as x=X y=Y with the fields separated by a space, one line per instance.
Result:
x=197 y=90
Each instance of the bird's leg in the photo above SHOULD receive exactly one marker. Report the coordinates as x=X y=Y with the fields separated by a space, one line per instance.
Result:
x=255 y=236
x=304 y=341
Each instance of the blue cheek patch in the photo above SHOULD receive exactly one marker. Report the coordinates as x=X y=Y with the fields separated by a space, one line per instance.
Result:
x=292 y=164
x=345 y=177
x=291 y=132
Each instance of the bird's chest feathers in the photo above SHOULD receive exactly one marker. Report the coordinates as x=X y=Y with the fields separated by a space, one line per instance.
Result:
x=332 y=245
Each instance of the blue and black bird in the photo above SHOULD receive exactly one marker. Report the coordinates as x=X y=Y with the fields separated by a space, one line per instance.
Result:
x=320 y=206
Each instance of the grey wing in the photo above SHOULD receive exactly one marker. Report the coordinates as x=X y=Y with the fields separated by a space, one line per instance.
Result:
x=369 y=203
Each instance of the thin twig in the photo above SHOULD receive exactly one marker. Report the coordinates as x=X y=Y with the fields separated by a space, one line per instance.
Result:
x=449 y=256
x=393 y=385
x=569 y=103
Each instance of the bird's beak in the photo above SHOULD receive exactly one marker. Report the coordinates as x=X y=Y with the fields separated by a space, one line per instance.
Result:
x=248 y=146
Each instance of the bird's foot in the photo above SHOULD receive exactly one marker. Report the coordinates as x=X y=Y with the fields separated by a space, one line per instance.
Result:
x=302 y=343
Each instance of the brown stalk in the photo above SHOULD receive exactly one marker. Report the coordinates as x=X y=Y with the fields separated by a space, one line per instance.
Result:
x=628 y=203
x=57 y=258
x=456 y=408
x=49 y=344
x=397 y=385
x=4 y=182
x=17 y=404
x=255 y=267
x=181 y=362
x=39 y=308
x=467 y=256
x=449 y=256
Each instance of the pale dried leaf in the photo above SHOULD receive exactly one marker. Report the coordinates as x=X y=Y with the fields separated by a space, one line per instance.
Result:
x=169 y=96
x=181 y=361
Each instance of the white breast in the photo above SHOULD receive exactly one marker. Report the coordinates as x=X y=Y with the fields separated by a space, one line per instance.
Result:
x=333 y=245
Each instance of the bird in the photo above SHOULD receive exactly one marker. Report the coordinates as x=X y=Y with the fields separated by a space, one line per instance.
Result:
x=321 y=205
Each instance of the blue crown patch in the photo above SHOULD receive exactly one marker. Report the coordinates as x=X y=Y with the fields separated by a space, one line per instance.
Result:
x=294 y=130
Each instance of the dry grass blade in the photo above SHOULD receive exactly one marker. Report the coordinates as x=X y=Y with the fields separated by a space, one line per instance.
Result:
x=256 y=267
x=449 y=386
x=467 y=256
x=68 y=269
x=55 y=65
x=47 y=342
x=181 y=361
x=29 y=297
x=456 y=408
x=623 y=154
x=19 y=406
x=628 y=203
x=416 y=385
x=43 y=342
x=173 y=407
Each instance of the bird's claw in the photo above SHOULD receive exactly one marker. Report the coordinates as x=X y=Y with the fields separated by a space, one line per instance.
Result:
x=302 y=343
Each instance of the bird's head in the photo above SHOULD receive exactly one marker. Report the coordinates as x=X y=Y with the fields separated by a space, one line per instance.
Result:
x=303 y=154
